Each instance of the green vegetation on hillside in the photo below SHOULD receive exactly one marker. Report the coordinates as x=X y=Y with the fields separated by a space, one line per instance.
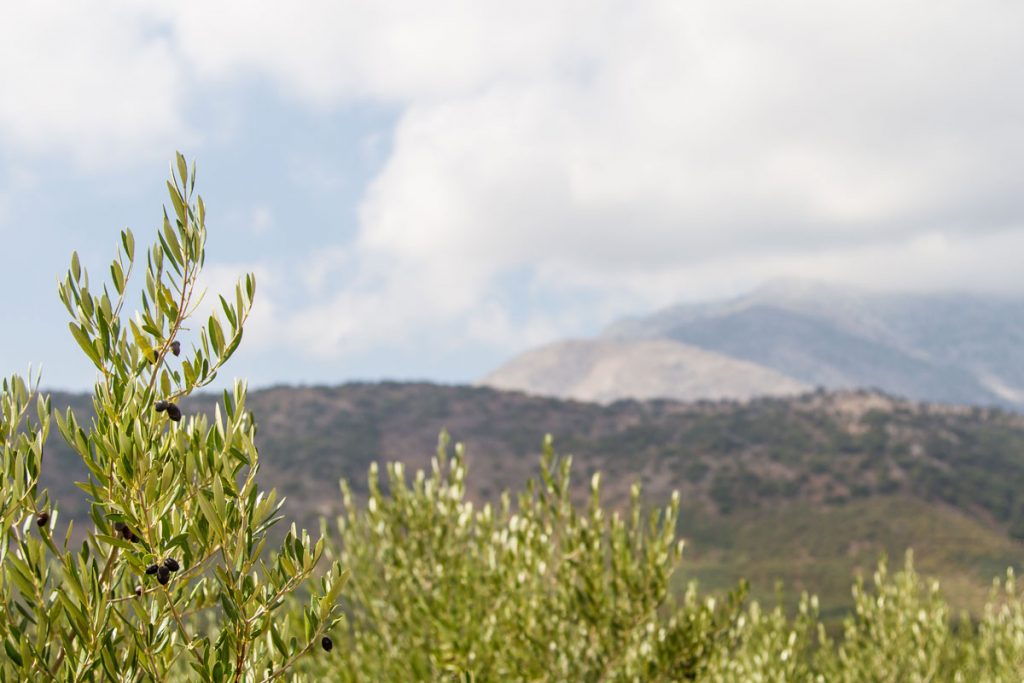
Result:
x=540 y=589
x=528 y=590
x=816 y=549
x=834 y=459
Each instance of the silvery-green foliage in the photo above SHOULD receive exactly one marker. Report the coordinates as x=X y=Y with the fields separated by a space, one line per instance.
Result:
x=997 y=651
x=172 y=492
x=766 y=646
x=536 y=590
x=901 y=629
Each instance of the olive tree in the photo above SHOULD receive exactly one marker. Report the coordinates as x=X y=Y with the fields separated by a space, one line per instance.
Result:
x=173 y=579
x=533 y=589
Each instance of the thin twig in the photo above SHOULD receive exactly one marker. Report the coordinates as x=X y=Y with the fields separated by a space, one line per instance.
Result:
x=295 y=657
x=181 y=625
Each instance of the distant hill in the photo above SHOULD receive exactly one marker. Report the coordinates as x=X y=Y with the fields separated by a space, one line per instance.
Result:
x=606 y=370
x=950 y=348
x=803 y=489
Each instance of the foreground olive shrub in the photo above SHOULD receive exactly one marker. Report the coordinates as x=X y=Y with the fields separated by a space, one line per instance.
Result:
x=539 y=590
x=173 y=581
x=535 y=590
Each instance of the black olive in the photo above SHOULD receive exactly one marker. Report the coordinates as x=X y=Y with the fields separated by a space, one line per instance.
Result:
x=163 y=575
x=151 y=569
x=172 y=564
x=121 y=529
x=160 y=406
x=173 y=412
x=176 y=348
x=326 y=643
x=126 y=533
x=138 y=591
x=42 y=518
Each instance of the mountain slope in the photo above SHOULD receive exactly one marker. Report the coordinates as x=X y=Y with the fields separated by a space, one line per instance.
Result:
x=818 y=353
x=605 y=370
x=953 y=348
x=805 y=490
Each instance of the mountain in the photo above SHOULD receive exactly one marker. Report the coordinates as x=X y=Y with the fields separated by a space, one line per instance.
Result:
x=606 y=370
x=806 y=489
x=946 y=348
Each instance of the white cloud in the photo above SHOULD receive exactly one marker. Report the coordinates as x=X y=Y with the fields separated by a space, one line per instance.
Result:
x=219 y=279
x=261 y=220
x=95 y=79
x=491 y=323
x=739 y=138
x=707 y=144
x=324 y=51
x=634 y=152
x=927 y=262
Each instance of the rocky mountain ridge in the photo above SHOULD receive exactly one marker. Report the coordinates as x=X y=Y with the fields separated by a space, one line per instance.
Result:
x=949 y=348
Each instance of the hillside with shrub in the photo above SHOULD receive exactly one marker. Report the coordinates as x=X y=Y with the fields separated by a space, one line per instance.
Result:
x=806 y=490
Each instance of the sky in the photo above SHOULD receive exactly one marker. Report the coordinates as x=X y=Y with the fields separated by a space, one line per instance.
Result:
x=424 y=189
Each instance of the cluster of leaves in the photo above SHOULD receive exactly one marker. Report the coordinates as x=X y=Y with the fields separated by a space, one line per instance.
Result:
x=179 y=524
x=537 y=590
x=900 y=630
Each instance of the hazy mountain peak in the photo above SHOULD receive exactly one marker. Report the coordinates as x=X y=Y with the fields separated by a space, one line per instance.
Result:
x=943 y=347
x=606 y=370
